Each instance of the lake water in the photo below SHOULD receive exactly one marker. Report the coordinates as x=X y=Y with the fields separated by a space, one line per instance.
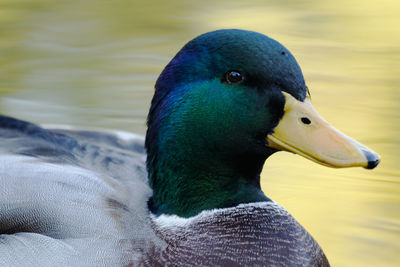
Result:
x=94 y=63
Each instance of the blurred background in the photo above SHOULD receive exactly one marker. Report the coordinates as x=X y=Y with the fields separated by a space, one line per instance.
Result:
x=94 y=63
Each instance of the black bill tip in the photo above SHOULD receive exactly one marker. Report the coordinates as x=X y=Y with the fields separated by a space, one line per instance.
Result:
x=372 y=157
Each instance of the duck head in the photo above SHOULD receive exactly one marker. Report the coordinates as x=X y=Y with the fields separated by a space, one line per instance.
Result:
x=226 y=102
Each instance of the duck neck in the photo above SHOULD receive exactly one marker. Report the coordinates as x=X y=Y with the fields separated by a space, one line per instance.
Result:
x=186 y=182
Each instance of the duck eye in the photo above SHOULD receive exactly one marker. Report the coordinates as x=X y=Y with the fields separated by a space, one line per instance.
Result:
x=233 y=77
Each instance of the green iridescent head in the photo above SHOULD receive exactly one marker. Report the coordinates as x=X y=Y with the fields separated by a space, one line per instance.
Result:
x=214 y=105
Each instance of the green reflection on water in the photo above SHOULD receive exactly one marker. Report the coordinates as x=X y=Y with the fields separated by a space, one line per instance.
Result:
x=94 y=63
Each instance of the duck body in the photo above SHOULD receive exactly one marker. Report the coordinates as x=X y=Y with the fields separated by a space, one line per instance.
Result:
x=188 y=194
x=87 y=206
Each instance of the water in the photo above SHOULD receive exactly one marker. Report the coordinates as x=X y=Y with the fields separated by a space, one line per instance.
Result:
x=93 y=63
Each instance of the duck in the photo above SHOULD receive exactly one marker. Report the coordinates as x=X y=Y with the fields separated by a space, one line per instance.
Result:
x=188 y=194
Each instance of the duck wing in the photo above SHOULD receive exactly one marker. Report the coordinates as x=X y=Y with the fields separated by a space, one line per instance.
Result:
x=70 y=197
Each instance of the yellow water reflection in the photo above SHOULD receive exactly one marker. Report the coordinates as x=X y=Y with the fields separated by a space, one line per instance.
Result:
x=94 y=63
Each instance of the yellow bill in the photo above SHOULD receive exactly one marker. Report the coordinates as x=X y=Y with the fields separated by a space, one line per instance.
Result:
x=303 y=131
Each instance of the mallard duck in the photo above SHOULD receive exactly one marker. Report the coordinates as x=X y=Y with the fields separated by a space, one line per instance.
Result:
x=225 y=103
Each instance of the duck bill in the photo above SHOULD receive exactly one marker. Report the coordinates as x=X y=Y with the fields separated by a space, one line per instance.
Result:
x=303 y=131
